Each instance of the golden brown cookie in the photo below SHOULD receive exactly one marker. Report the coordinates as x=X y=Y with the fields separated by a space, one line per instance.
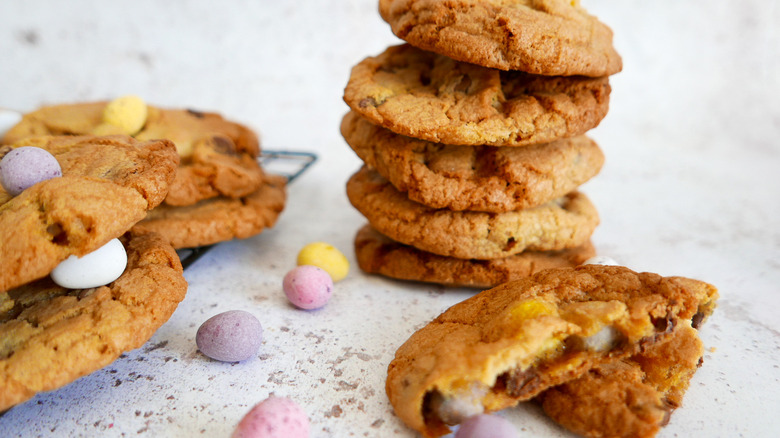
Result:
x=633 y=397
x=476 y=178
x=377 y=254
x=50 y=336
x=567 y=222
x=108 y=184
x=431 y=97
x=219 y=219
x=545 y=37
x=218 y=157
x=510 y=343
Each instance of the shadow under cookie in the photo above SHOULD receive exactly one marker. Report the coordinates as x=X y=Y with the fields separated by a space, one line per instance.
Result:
x=377 y=254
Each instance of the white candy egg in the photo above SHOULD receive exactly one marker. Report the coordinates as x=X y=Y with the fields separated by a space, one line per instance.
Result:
x=97 y=268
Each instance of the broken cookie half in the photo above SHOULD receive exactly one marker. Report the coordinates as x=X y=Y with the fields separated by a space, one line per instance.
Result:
x=510 y=343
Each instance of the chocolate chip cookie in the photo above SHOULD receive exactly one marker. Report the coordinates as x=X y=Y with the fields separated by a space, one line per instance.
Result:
x=107 y=185
x=545 y=37
x=567 y=222
x=435 y=98
x=218 y=157
x=377 y=254
x=51 y=336
x=219 y=219
x=510 y=343
x=476 y=178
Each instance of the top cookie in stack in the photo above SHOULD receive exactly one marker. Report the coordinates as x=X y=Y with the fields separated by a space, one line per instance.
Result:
x=472 y=139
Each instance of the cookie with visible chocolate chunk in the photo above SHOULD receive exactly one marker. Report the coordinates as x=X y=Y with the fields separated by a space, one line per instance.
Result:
x=435 y=98
x=510 y=343
x=632 y=397
x=476 y=178
x=219 y=219
x=545 y=37
x=218 y=157
x=51 y=336
x=107 y=185
x=378 y=254
x=564 y=223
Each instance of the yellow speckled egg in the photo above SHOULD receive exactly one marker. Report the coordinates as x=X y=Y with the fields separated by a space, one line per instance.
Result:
x=326 y=257
x=128 y=113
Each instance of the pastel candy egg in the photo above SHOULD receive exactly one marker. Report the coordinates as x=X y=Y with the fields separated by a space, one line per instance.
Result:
x=128 y=113
x=230 y=336
x=326 y=257
x=275 y=417
x=308 y=287
x=98 y=268
x=26 y=166
x=601 y=260
x=484 y=425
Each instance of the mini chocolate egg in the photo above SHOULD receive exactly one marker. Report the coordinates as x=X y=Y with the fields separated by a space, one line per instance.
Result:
x=230 y=336
x=98 y=268
x=274 y=417
x=484 y=425
x=308 y=287
x=325 y=256
x=26 y=166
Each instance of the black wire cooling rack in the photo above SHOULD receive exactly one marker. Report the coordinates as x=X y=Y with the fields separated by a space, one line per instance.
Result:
x=290 y=164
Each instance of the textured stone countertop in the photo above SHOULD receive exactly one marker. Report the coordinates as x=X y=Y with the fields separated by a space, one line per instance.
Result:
x=691 y=186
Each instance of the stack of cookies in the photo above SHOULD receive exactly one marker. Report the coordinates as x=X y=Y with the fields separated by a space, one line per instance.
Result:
x=472 y=135
x=57 y=328
x=220 y=191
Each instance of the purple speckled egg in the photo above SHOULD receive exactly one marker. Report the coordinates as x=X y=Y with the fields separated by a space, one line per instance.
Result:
x=26 y=166
x=308 y=287
x=484 y=425
x=230 y=336
x=275 y=417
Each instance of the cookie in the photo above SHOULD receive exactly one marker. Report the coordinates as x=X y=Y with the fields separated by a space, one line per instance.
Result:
x=544 y=37
x=564 y=223
x=476 y=178
x=107 y=185
x=377 y=254
x=219 y=219
x=431 y=97
x=633 y=397
x=510 y=343
x=50 y=336
x=218 y=157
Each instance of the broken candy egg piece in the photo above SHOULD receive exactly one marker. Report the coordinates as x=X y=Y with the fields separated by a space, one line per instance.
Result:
x=230 y=336
x=26 y=166
x=128 y=113
x=485 y=425
x=98 y=268
x=308 y=287
x=275 y=417
x=601 y=260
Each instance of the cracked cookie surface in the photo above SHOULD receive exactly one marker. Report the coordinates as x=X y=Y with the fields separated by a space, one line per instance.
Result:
x=51 y=336
x=431 y=97
x=219 y=219
x=218 y=157
x=107 y=185
x=508 y=344
x=546 y=37
x=567 y=222
x=378 y=254
x=476 y=178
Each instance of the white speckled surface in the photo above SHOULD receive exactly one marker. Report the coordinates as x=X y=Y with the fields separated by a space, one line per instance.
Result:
x=691 y=187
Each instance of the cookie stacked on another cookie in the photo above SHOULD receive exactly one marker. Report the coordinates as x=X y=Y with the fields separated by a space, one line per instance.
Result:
x=472 y=135
x=52 y=333
x=220 y=191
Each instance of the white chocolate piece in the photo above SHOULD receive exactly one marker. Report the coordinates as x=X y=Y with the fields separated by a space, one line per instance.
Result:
x=98 y=268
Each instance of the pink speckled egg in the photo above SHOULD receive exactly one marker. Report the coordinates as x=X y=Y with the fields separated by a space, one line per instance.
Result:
x=230 y=336
x=274 y=417
x=484 y=425
x=308 y=287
